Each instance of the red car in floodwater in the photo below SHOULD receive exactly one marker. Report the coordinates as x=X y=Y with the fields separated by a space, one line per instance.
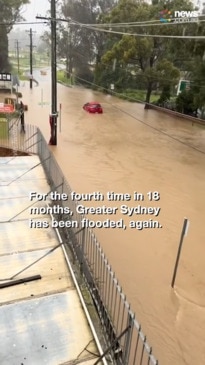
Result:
x=93 y=107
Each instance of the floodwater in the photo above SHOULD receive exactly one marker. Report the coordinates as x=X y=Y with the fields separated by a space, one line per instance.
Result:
x=126 y=150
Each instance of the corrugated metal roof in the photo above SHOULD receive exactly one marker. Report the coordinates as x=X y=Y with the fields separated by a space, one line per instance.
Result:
x=41 y=321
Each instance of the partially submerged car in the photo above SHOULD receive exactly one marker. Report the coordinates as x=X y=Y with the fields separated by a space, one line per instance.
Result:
x=93 y=107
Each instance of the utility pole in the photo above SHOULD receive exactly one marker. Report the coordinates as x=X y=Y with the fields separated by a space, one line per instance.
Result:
x=31 y=57
x=17 y=54
x=54 y=113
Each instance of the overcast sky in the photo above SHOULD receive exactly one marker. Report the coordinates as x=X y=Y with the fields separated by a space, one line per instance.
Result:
x=30 y=11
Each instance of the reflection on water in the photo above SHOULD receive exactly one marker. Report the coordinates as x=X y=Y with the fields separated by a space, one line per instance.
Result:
x=129 y=149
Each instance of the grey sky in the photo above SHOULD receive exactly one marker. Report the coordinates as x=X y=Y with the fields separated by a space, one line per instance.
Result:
x=30 y=11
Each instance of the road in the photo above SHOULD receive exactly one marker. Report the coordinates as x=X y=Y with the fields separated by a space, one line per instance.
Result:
x=125 y=150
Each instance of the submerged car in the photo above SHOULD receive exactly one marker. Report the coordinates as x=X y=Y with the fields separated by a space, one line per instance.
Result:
x=93 y=107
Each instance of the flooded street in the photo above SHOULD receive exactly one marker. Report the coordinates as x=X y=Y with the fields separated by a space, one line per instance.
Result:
x=128 y=149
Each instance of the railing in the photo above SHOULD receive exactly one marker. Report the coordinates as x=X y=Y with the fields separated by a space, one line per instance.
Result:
x=177 y=114
x=13 y=138
x=127 y=343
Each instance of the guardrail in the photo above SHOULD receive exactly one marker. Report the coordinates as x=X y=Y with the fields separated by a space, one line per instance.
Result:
x=127 y=343
x=176 y=114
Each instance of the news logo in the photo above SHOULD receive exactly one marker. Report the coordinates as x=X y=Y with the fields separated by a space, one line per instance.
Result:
x=177 y=16
x=165 y=16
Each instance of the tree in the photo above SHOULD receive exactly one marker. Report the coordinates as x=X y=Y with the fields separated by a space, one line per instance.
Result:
x=185 y=102
x=197 y=71
x=152 y=57
x=10 y=13
x=80 y=45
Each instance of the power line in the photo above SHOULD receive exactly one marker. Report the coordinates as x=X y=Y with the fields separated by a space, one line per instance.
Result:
x=20 y=23
x=145 y=35
x=145 y=25
x=142 y=24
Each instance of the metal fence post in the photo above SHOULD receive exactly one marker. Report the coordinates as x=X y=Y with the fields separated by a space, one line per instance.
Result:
x=128 y=339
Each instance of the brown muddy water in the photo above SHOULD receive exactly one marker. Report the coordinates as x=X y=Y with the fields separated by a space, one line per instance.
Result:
x=129 y=149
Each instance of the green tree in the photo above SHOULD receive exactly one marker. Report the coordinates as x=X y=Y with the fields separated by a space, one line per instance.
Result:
x=81 y=45
x=153 y=58
x=185 y=102
x=9 y=14
x=197 y=83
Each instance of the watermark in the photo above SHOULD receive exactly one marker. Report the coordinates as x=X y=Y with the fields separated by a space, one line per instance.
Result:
x=178 y=16
x=165 y=16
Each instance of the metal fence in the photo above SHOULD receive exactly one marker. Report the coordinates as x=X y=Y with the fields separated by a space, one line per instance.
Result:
x=13 y=138
x=127 y=343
